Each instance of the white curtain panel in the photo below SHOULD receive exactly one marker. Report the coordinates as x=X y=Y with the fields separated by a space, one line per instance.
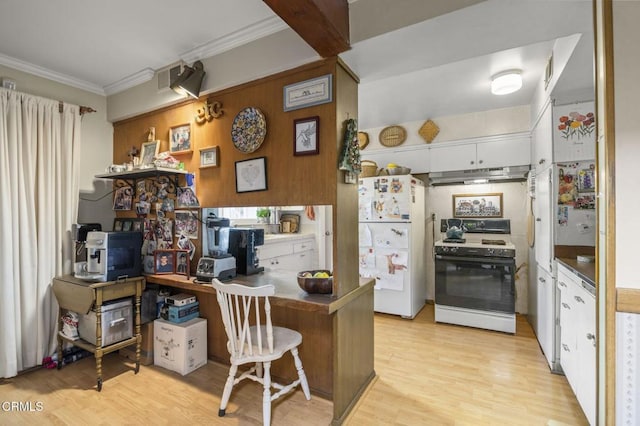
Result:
x=39 y=155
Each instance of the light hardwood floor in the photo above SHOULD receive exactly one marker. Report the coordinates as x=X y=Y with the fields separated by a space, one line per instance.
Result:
x=427 y=374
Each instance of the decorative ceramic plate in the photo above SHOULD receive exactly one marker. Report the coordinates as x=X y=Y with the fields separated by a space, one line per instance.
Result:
x=248 y=130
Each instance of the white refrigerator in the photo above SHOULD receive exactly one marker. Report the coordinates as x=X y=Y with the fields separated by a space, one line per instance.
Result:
x=392 y=242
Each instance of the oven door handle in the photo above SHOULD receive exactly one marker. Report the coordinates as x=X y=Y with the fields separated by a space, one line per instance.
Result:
x=489 y=260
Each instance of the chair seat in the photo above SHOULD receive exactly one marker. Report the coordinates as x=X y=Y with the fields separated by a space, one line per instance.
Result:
x=284 y=339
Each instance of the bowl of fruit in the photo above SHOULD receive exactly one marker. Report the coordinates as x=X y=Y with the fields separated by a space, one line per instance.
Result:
x=319 y=281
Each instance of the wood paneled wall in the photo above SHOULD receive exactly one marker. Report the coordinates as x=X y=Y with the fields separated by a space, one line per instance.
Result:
x=291 y=180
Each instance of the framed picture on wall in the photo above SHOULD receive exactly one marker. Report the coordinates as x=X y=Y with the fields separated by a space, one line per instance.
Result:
x=477 y=205
x=251 y=175
x=180 y=139
x=306 y=136
x=148 y=152
x=209 y=157
x=307 y=93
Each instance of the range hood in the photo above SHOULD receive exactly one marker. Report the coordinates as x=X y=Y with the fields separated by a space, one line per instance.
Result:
x=499 y=174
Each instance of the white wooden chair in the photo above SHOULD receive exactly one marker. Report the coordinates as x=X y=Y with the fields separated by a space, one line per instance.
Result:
x=251 y=341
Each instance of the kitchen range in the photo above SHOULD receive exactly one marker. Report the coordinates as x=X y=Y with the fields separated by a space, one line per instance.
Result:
x=475 y=274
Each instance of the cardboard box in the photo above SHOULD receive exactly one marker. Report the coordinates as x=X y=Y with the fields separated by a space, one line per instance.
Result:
x=180 y=347
x=146 y=347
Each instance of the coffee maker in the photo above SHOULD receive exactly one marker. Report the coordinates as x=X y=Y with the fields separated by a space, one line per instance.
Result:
x=79 y=236
x=220 y=264
x=242 y=244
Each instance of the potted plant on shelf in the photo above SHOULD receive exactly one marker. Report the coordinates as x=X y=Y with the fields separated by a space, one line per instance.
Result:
x=263 y=214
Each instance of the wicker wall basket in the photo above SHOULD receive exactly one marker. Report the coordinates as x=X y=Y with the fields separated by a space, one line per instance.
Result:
x=369 y=168
x=363 y=140
x=392 y=136
x=429 y=131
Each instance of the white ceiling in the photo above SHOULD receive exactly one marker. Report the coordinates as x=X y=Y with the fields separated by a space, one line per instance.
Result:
x=440 y=66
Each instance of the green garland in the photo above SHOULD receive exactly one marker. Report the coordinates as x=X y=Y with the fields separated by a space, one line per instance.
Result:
x=350 y=156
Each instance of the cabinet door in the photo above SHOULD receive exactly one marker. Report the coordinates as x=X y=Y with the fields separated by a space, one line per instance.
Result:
x=502 y=153
x=545 y=313
x=542 y=140
x=568 y=332
x=455 y=157
x=543 y=217
x=586 y=349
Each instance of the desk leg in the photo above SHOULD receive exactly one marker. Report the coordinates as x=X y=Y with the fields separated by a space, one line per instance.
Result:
x=99 y=344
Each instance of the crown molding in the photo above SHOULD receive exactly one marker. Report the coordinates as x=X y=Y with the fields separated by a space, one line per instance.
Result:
x=238 y=38
x=50 y=75
x=129 y=81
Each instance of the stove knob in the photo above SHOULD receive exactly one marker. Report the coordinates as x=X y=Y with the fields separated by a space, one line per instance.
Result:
x=445 y=249
x=454 y=249
x=490 y=251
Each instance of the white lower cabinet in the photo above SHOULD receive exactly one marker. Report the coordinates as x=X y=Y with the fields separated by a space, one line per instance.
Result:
x=295 y=255
x=578 y=338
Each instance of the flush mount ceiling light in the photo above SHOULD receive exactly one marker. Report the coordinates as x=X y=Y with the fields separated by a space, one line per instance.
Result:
x=506 y=82
x=190 y=80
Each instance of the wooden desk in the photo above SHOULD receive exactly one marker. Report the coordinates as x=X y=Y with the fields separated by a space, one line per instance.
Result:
x=337 y=333
x=80 y=296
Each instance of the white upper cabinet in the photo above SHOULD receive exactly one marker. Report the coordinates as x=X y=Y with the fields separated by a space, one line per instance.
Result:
x=542 y=140
x=490 y=152
x=574 y=132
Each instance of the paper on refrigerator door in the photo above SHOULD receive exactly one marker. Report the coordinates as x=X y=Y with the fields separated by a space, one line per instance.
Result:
x=367 y=261
x=391 y=267
x=392 y=236
x=392 y=199
x=364 y=235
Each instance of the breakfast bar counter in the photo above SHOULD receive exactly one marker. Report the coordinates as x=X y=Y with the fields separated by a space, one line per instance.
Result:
x=330 y=326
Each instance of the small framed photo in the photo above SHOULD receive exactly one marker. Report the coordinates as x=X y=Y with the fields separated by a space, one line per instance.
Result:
x=148 y=152
x=251 y=175
x=180 y=139
x=306 y=136
x=477 y=205
x=126 y=225
x=137 y=225
x=209 y=157
x=117 y=225
x=164 y=261
x=182 y=262
x=307 y=93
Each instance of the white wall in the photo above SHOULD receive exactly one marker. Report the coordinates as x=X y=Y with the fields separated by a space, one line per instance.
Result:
x=240 y=65
x=96 y=151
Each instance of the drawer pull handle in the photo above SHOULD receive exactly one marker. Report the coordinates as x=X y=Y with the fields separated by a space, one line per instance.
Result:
x=578 y=299
x=562 y=284
x=117 y=322
x=591 y=336
x=542 y=280
x=565 y=348
x=564 y=305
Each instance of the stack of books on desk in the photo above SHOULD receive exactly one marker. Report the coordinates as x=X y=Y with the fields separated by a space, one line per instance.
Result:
x=180 y=308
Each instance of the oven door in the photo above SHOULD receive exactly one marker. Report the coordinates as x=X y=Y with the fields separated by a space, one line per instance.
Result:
x=480 y=283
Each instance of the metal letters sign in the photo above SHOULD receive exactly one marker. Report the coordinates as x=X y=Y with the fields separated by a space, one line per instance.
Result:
x=209 y=111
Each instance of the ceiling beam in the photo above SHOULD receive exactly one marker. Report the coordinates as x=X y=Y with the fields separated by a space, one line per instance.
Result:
x=323 y=24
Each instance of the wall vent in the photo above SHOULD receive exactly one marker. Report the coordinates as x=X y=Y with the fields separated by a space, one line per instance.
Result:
x=168 y=74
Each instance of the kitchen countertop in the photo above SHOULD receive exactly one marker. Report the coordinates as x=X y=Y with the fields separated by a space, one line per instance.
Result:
x=268 y=238
x=586 y=271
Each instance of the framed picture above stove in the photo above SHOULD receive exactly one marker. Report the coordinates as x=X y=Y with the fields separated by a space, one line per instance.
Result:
x=477 y=205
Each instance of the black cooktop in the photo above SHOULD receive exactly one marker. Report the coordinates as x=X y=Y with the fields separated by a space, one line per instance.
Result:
x=454 y=240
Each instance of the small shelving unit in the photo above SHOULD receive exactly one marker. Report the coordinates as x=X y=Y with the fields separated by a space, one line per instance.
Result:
x=132 y=176
x=80 y=296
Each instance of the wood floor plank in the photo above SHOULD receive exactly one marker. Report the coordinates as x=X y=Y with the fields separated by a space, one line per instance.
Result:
x=427 y=374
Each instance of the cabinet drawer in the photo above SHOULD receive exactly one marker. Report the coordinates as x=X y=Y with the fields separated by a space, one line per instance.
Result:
x=268 y=251
x=303 y=246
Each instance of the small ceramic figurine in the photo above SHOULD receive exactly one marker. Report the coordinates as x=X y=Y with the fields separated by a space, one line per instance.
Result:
x=152 y=134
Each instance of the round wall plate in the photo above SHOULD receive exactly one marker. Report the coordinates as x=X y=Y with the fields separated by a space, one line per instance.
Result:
x=249 y=129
